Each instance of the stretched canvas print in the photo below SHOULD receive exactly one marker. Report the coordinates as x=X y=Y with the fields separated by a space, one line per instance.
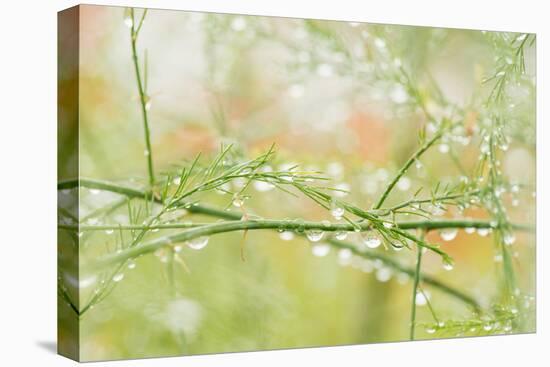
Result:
x=238 y=183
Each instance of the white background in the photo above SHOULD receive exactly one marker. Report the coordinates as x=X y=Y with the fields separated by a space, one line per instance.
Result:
x=28 y=181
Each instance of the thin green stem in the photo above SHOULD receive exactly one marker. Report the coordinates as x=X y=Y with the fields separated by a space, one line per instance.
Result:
x=143 y=98
x=405 y=167
x=437 y=199
x=415 y=291
x=286 y=225
x=231 y=215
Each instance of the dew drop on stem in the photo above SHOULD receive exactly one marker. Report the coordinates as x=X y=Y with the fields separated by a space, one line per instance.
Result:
x=448 y=265
x=128 y=21
x=336 y=210
x=118 y=277
x=341 y=235
x=371 y=240
x=198 y=243
x=448 y=234
x=509 y=239
x=314 y=235
x=238 y=202
x=483 y=232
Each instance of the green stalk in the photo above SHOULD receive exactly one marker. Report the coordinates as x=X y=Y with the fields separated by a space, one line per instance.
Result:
x=229 y=215
x=405 y=167
x=286 y=225
x=415 y=290
x=134 y=32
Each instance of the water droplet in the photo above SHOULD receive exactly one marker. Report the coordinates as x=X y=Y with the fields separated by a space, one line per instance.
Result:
x=324 y=70
x=296 y=90
x=146 y=153
x=485 y=148
x=509 y=239
x=371 y=240
x=404 y=183
x=388 y=224
x=131 y=264
x=118 y=277
x=286 y=235
x=515 y=202
x=94 y=191
x=128 y=18
x=487 y=327
x=447 y=265
x=483 y=232
x=147 y=101
x=314 y=235
x=504 y=145
x=399 y=95
x=430 y=330
x=397 y=247
x=344 y=256
x=198 y=243
x=444 y=148
x=341 y=235
x=161 y=254
x=383 y=274
x=109 y=231
x=320 y=249
x=380 y=44
x=421 y=299
x=337 y=210
x=178 y=248
x=418 y=164
x=238 y=202
x=263 y=186
x=299 y=225
x=437 y=210
x=80 y=234
x=448 y=234
x=469 y=230
x=238 y=24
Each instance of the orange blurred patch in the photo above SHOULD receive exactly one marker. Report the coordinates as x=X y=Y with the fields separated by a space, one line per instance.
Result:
x=373 y=137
